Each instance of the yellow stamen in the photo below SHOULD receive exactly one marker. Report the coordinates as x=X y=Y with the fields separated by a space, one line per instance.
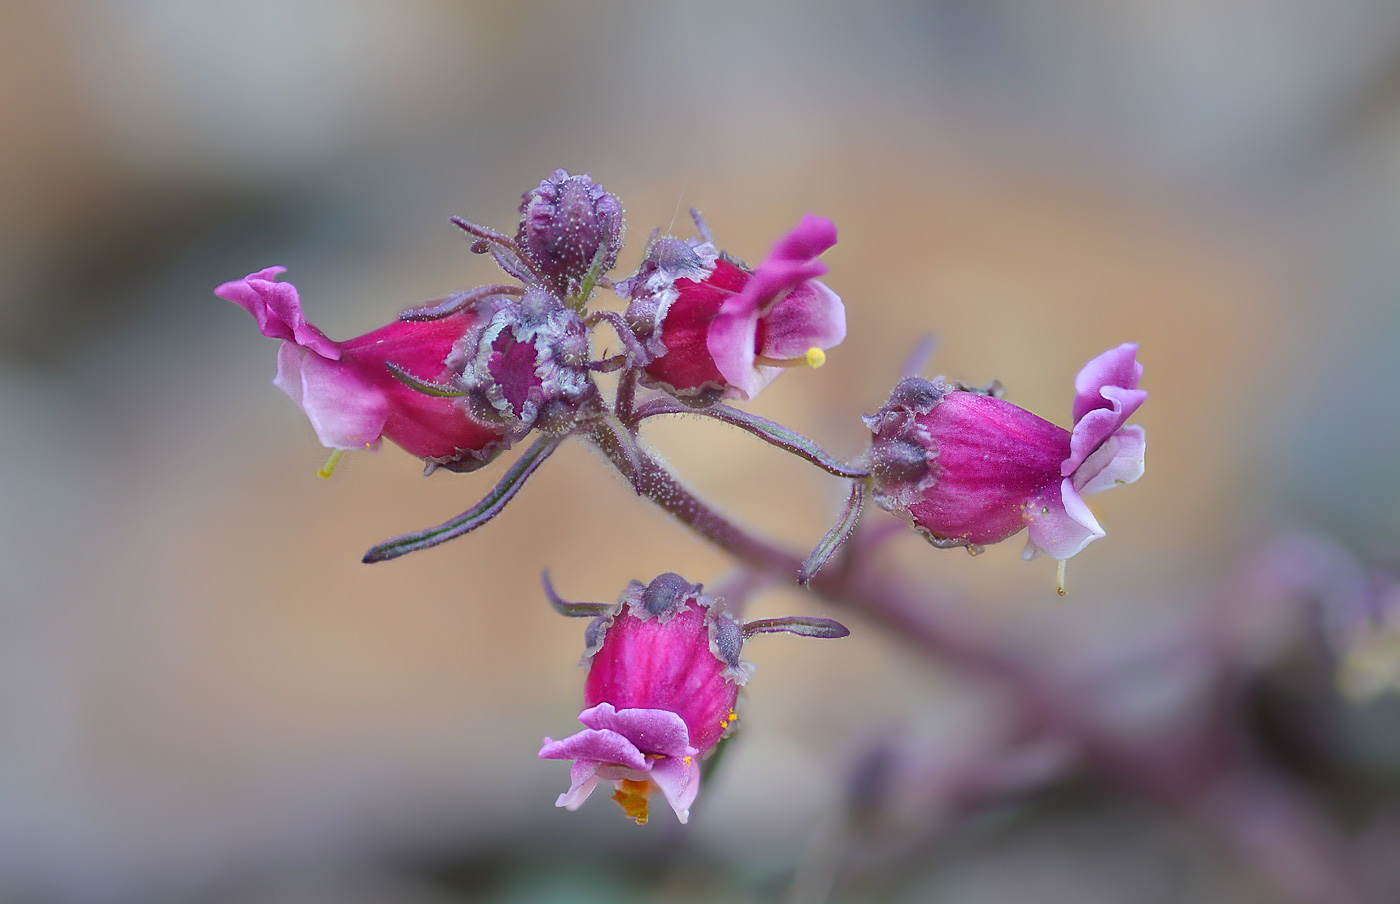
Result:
x=1060 y=579
x=814 y=358
x=328 y=468
x=632 y=797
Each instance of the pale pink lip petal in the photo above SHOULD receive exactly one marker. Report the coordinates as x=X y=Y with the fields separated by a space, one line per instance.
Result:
x=1060 y=524
x=346 y=411
x=1120 y=460
x=731 y=340
x=678 y=778
x=583 y=779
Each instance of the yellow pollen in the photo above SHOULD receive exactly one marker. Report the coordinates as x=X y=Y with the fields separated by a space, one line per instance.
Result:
x=689 y=760
x=632 y=797
x=328 y=468
x=814 y=358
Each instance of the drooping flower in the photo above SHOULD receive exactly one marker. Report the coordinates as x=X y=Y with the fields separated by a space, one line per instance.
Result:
x=717 y=329
x=347 y=390
x=968 y=468
x=524 y=364
x=662 y=690
x=564 y=224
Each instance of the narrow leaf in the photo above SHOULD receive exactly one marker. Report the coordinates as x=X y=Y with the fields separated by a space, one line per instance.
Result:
x=503 y=249
x=418 y=384
x=766 y=430
x=572 y=610
x=804 y=625
x=838 y=534
x=478 y=514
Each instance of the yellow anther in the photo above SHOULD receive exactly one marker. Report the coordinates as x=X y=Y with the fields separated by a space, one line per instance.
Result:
x=328 y=468
x=815 y=357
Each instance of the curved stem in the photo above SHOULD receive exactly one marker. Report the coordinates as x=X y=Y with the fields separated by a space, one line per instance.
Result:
x=770 y=432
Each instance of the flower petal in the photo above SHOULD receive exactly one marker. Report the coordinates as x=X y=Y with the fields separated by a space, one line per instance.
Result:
x=598 y=746
x=810 y=316
x=1060 y=524
x=1115 y=367
x=731 y=341
x=651 y=730
x=346 y=411
x=277 y=309
x=1106 y=395
x=732 y=337
x=1118 y=461
x=678 y=779
x=583 y=779
x=811 y=238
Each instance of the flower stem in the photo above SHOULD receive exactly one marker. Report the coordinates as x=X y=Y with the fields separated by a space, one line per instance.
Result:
x=769 y=431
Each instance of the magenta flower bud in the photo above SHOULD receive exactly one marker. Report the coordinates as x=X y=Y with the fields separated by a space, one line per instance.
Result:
x=663 y=682
x=347 y=390
x=717 y=329
x=525 y=364
x=967 y=468
x=564 y=224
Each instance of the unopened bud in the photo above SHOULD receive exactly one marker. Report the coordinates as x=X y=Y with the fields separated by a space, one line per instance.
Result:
x=564 y=225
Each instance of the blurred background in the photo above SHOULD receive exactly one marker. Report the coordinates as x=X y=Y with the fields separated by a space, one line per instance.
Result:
x=204 y=696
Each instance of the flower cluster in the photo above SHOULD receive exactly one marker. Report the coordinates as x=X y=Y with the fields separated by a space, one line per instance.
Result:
x=457 y=381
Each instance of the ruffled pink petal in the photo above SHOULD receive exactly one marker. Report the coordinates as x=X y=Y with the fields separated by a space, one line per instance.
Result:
x=678 y=779
x=651 y=730
x=583 y=777
x=1118 y=461
x=597 y=746
x=1115 y=367
x=1060 y=525
x=346 y=410
x=277 y=309
x=1106 y=395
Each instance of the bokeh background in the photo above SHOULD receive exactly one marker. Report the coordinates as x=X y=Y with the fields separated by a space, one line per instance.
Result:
x=204 y=696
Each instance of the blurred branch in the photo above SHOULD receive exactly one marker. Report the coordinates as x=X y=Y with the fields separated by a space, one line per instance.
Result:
x=1207 y=776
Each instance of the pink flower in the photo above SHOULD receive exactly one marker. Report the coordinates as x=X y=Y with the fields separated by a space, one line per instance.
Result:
x=347 y=390
x=967 y=468
x=663 y=683
x=718 y=329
